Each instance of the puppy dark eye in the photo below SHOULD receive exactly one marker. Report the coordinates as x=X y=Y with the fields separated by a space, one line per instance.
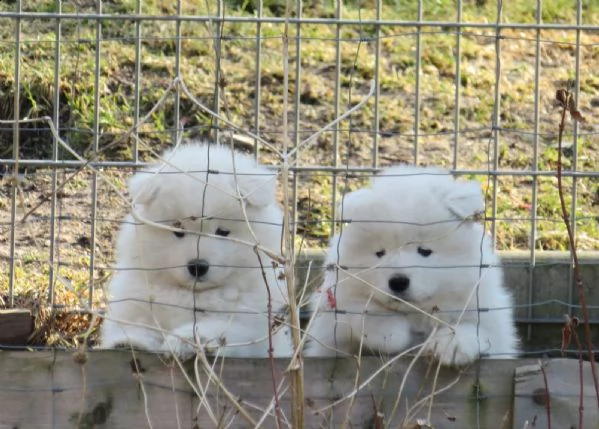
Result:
x=380 y=253
x=222 y=232
x=424 y=252
x=178 y=234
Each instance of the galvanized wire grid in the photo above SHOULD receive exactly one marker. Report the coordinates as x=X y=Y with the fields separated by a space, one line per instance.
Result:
x=59 y=169
x=58 y=166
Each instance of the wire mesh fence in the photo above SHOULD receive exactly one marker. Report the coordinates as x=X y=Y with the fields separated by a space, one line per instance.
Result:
x=327 y=94
x=474 y=95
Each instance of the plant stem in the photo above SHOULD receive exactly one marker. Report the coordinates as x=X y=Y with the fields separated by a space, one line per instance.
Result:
x=573 y=253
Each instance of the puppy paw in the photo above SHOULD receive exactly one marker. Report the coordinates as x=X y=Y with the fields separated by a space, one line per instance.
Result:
x=175 y=346
x=130 y=346
x=146 y=343
x=184 y=345
x=456 y=347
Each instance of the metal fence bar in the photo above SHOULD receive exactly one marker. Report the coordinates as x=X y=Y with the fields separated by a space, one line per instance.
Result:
x=458 y=85
x=356 y=130
x=137 y=83
x=337 y=112
x=15 y=154
x=306 y=20
x=296 y=116
x=258 y=77
x=303 y=168
x=476 y=385
x=116 y=221
x=535 y=166
x=418 y=61
x=496 y=123
x=377 y=91
x=574 y=191
x=177 y=106
x=95 y=151
x=215 y=26
x=297 y=89
x=56 y=119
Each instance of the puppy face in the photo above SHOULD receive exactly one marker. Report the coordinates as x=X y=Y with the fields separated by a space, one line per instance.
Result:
x=411 y=238
x=199 y=197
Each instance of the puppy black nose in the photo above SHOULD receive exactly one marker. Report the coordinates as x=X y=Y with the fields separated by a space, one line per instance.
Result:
x=399 y=283
x=198 y=267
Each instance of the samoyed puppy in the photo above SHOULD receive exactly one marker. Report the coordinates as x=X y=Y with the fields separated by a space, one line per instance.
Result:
x=190 y=271
x=413 y=262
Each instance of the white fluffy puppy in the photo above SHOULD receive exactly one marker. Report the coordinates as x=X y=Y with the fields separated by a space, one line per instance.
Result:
x=413 y=244
x=204 y=280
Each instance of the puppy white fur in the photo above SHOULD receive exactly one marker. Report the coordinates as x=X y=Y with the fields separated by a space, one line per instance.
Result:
x=163 y=275
x=412 y=243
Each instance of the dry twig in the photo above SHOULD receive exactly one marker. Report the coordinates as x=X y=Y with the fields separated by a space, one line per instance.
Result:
x=565 y=99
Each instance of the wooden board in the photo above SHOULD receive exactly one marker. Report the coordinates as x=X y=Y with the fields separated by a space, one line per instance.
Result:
x=560 y=391
x=52 y=390
x=109 y=390
x=15 y=326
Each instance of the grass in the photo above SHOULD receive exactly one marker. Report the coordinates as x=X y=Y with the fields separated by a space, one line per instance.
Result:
x=315 y=90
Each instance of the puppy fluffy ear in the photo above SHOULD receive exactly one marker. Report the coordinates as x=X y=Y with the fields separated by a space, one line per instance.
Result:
x=143 y=187
x=258 y=187
x=353 y=202
x=465 y=199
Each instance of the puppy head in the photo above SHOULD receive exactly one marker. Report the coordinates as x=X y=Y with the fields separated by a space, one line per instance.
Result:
x=204 y=189
x=200 y=168
x=411 y=237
